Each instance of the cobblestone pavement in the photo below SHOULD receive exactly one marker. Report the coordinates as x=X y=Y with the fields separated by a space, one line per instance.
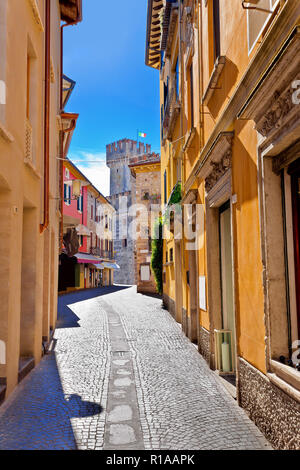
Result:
x=122 y=376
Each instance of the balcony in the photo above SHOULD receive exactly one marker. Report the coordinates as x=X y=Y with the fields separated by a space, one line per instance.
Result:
x=171 y=112
x=105 y=254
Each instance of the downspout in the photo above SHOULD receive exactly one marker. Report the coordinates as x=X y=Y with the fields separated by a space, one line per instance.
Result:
x=182 y=94
x=200 y=52
x=45 y=223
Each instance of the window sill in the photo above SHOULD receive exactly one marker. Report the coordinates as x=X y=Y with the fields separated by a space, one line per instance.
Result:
x=286 y=378
x=32 y=168
x=6 y=135
x=218 y=67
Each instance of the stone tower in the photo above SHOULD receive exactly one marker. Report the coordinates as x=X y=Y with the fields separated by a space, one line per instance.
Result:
x=122 y=184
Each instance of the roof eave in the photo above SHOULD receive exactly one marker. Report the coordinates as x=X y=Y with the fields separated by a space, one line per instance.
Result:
x=71 y=11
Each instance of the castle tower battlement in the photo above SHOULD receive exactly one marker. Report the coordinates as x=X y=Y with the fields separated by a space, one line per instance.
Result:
x=118 y=156
x=125 y=148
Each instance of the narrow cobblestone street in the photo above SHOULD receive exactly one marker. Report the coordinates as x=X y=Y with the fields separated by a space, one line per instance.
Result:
x=121 y=375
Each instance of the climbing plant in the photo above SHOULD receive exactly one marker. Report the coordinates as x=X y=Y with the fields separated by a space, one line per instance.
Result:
x=175 y=199
x=157 y=254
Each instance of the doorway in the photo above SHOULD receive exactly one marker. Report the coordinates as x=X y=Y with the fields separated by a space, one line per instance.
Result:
x=294 y=171
x=227 y=295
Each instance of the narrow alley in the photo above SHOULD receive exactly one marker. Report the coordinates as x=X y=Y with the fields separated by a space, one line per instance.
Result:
x=120 y=374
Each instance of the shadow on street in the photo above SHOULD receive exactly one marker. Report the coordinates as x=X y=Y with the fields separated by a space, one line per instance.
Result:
x=66 y=318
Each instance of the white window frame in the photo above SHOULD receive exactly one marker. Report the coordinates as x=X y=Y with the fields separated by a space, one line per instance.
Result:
x=145 y=278
x=3 y=59
x=263 y=27
x=69 y=194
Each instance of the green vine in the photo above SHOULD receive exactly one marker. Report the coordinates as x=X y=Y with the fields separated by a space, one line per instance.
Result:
x=175 y=198
x=157 y=254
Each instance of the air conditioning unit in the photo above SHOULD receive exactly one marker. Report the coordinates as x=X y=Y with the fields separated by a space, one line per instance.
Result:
x=224 y=352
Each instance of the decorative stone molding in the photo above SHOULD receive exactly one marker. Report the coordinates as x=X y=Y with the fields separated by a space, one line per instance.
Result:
x=281 y=105
x=36 y=14
x=217 y=161
x=219 y=170
x=275 y=114
x=286 y=158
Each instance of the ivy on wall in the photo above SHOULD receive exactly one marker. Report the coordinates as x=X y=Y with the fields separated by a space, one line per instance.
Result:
x=157 y=254
x=175 y=198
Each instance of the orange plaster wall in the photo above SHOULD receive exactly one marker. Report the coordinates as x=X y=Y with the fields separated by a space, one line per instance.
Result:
x=248 y=269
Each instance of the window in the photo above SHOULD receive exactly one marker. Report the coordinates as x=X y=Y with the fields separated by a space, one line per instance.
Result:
x=165 y=187
x=106 y=222
x=216 y=20
x=171 y=255
x=67 y=173
x=191 y=96
x=167 y=257
x=124 y=243
x=80 y=204
x=67 y=194
x=177 y=79
x=257 y=20
x=166 y=93
x=92 y=212
x=80 y=240
x=145 y=272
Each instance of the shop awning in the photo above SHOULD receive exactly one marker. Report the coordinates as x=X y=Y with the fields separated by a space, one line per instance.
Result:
x=87 y=259
x=98 y=266
x=111 y=265
x=70 y=221
x=83 y=230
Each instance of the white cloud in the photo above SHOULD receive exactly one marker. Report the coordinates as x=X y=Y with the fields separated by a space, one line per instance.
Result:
x=93 y=166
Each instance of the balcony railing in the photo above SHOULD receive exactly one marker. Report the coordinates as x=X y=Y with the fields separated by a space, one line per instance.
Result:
x=105 y=254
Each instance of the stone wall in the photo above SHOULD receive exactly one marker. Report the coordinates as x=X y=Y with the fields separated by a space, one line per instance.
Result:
x=169 y=304
x=273 y=411
x=204 y=344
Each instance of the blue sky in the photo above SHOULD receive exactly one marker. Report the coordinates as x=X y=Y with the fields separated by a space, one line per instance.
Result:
x=115 y=92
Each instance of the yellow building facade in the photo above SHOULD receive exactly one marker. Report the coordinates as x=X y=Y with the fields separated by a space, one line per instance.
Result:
x=230 y=129
x=30 y=75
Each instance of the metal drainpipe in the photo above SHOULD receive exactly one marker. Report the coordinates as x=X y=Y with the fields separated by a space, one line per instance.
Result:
x=45 y=223
x=201 y=106
x=182 y=88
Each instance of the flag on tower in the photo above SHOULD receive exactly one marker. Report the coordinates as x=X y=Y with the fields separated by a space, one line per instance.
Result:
x=142 y=134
